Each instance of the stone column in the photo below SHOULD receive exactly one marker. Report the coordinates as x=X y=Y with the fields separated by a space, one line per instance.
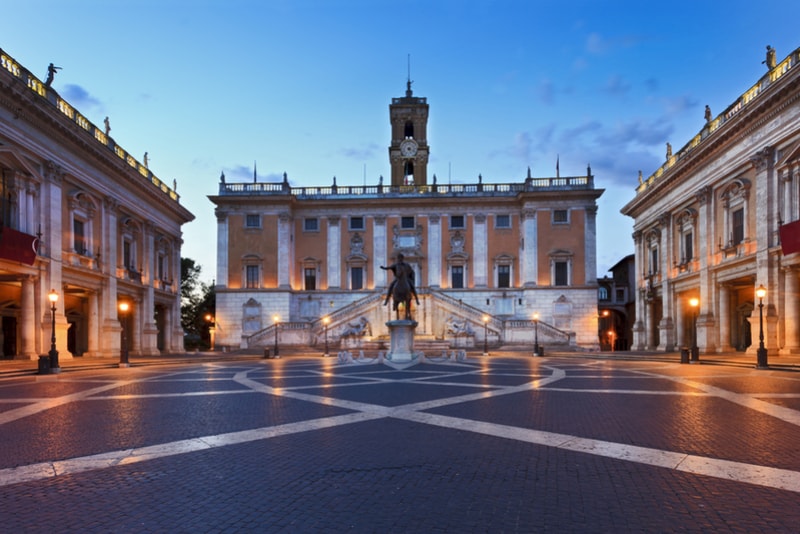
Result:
x=379 y=251
x=285 y=251
x=724 y=297
x=27 y=328
x=109 y=322
x=92 y=326
x=434 y=251
x=479 y=251
x=530 y=275
x=791 y=319
x=590 y=246
x=766 y=269
x=334 y=260
x=706 y=323
x=222 y=248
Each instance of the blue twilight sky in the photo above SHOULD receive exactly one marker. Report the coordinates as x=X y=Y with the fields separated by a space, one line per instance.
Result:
x=303 y=86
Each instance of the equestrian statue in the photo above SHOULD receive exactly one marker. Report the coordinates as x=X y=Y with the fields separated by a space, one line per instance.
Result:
x=402 y=287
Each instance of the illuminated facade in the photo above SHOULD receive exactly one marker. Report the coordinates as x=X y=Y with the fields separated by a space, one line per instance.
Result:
x=500 y=251
x=82 y=217
x=709 y=225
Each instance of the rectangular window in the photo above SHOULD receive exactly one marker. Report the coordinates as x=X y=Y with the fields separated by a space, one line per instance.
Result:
x=127 y=254
x=688 y=254
x=356 y=278
x=356 y=223
x=310 y=277
x=502 y=221
x=457 y=272
x=252 y=220
x=310 y=224
x=160 y=267
x=79 y=242
x=620 y=295
x=653 y=260
x=251 y=276
x=456 y=221
x=560 y=216
x=561 y=273
x=503 y=276
x=737 y=230
x=406 y=222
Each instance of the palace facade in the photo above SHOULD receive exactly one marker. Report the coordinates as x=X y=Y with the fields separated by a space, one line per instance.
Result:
x=717 y=220
x=494 y=263
x=84 y=219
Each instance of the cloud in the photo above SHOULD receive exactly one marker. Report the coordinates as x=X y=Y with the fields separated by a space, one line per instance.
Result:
x=362 y=153
x=79 y=97
x=596 y=44
x=617 y=86
x=244 y=173
x=637 y=132
x=679 y=105
x=546 y=92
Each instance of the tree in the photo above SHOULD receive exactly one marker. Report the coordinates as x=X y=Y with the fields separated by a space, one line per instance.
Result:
x=198 y=300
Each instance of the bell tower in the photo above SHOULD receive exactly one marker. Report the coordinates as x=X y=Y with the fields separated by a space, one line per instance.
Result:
x=408 y=153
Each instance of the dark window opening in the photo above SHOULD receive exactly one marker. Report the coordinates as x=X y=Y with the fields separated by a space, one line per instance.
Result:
x=561 y=273
x=356 y=278
x=310 y=278
x=503 y=276
x=737 y=234
x=457 y=273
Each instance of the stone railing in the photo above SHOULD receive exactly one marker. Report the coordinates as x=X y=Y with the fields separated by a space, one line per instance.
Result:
x=560 y=183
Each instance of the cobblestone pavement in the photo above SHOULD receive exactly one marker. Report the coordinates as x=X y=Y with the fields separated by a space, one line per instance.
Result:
x=490 y=444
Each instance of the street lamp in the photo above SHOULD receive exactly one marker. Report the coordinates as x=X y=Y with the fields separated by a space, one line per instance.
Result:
x=276 y=318
x=325 y=321
x=761 y=353
x=123 y=349
x=694 y=302
x=54 y=367
x=485 y=335
x=536 y=334
x=602 y=324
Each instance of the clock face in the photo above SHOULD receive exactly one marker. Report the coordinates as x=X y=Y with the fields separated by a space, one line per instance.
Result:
x=408 y=147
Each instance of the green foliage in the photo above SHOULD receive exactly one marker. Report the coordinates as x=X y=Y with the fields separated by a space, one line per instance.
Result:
x=198 y=305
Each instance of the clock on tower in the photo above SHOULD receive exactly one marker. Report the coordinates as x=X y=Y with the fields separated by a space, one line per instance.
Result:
x=408 y=153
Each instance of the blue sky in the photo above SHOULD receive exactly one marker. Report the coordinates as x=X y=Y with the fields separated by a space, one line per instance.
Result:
x=303 y=86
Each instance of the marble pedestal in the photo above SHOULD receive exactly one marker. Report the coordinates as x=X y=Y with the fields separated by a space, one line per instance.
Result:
x=401 y=335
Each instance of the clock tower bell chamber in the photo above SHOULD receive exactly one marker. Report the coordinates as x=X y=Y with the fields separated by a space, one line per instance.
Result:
x=408 y=153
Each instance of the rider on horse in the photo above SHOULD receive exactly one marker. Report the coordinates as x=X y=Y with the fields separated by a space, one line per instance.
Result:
x=401 y=271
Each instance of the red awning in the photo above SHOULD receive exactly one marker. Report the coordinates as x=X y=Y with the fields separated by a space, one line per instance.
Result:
x=790 y=237
x=17 y=246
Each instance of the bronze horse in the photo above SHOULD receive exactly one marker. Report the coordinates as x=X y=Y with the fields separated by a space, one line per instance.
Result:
x=402 y=288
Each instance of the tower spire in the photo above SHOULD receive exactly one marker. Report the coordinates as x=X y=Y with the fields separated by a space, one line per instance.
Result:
x=408 y=80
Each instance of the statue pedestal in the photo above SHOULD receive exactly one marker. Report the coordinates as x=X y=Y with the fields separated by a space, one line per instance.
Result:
x=401 y=334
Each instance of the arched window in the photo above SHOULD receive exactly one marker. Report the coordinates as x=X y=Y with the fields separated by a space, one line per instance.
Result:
x=408 y=131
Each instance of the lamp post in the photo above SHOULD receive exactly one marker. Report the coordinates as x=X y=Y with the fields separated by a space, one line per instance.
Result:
x=602 y=323
x=761 y=353
x=694 y=302
x=211 y=330
x=485 y=335
x=276 y=318
x=325 y=321
x=123 y=349
x=54 y=367
x=536 y=334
